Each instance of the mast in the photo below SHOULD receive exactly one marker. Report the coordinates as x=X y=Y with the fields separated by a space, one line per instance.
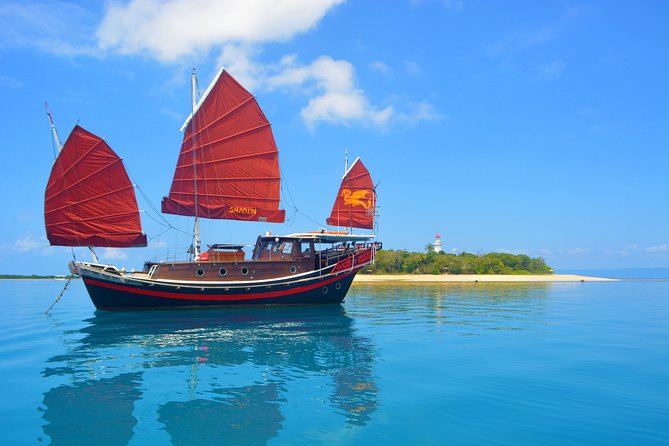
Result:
x=196 y=226
x=54 y=133
x=345 y=160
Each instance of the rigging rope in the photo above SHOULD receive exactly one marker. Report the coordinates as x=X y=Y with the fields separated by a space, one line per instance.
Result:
x=69 y=279
x=284 y=187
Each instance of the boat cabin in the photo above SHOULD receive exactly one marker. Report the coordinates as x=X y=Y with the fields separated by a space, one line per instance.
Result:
x=269 y=248
x=272 y=257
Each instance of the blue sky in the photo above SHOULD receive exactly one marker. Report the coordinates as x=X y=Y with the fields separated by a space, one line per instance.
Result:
x=523 y=126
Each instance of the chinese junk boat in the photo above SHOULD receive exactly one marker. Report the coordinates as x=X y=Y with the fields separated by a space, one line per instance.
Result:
x=228 y=169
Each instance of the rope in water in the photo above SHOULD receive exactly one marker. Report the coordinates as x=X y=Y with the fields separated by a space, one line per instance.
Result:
x=59 y=296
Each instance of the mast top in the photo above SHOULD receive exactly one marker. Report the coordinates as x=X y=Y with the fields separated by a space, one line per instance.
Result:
x=54 y=133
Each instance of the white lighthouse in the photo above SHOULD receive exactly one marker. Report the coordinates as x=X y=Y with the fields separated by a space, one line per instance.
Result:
x=437 y=244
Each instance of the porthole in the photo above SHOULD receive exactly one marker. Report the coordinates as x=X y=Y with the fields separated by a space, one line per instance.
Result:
x=245 y=271
x=338 y=286
x=223 y=272
x=293 y=269
x=199 y=272
x=324 y=290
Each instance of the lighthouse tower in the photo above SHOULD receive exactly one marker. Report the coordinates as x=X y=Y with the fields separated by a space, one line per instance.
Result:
x=437 y=244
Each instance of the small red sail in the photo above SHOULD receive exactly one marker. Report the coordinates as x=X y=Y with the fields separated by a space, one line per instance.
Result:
x=355 y=204
x=89 y=200
x=236 y=174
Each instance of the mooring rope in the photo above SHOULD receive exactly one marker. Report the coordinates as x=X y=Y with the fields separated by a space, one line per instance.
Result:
x=59 y=296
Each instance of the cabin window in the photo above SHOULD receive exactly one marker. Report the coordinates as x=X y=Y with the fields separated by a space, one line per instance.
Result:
x=199 y=272
x=338 y=286
x=293 y=270
x=325 y=290
x=245 y=271
x=287 y=247
x=307 y=249
x=265 y=249
x=223 y=272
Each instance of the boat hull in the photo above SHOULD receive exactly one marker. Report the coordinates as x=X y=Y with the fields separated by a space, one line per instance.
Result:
x=118 y=293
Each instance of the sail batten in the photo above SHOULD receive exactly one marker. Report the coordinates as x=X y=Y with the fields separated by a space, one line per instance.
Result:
x=217 y=120
x=239 y=197
x=89 y=199
x=111 y=192
x=74 y=164
x=355 y=204
x=222 y=180
x=229 y=159
x=75 y=184
x=97 y=218
x=228 y=166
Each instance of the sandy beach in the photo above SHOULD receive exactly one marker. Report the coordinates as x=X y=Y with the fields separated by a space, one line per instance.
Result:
x=448 y=278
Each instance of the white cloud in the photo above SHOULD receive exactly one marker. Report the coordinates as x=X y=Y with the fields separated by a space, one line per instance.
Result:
x=574 y=251
x=551 y=70
x=454 y=4
x=170 y=30
x=658 y=248
x=379 y=67
x=515 y=251
x=114 y=254
x=422 y=111
x=334 y=96
x=412 y=68
x=158 y=244
x=55 y=27
x=27 y=243
x=10 y=82
x=232 y=30
x=238 y=60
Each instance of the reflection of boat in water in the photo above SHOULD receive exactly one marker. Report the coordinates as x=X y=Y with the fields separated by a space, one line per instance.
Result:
x=74 y=411
x=228 y=371
x=251 y=415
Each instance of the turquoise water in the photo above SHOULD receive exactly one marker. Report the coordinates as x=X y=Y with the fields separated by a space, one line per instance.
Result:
x=505 y=364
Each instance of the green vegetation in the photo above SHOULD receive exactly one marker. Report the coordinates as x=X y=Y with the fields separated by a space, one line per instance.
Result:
x=405 y=262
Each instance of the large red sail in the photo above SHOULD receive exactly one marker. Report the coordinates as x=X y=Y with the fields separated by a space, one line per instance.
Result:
x=236 y=174
x=89 y=200
x=355 y=204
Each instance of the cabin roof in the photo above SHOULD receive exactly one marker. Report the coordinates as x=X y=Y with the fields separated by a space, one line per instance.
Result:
x=333 y=237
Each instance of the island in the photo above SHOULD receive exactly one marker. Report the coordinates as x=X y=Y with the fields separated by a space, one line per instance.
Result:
x=406 y=266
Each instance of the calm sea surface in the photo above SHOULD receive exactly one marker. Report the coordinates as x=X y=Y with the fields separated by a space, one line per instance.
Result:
x=470 y=364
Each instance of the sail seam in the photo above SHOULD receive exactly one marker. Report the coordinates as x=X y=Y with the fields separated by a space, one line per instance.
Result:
x=89 y=199
x=237 y=107
x=234 y=179
x=236 y=135
x=100 y=217
x=65 y=172
x=117 y=160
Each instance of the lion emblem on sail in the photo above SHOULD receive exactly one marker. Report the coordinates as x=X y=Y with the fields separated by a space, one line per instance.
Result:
x=357 y=198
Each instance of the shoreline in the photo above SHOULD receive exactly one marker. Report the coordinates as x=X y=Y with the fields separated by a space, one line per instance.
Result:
x=453 y=278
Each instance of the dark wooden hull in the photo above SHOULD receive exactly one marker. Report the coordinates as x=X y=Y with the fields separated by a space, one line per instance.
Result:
x=111 y=289
x=113 y=292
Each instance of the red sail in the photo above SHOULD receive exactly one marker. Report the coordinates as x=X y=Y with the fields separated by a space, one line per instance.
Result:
x=89 y=200
x=236 y=160
x=355 y=204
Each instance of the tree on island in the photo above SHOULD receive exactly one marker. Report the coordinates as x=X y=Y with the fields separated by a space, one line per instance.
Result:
x=405 y=262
